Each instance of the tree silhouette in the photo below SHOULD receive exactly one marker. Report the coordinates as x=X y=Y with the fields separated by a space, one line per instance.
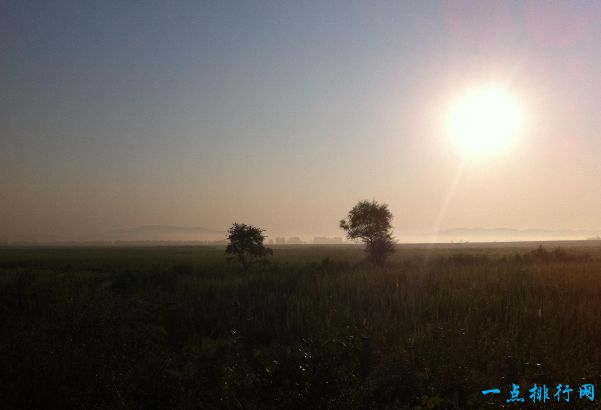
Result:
x=246 y=245
x=370 y=222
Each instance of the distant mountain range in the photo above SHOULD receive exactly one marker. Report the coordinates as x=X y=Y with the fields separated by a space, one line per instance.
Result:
x=508 y=234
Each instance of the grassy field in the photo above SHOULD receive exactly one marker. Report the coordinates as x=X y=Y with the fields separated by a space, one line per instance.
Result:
x=178 y=327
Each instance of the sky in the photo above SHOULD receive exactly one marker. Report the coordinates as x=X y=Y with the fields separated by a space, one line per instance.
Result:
x=120 y=114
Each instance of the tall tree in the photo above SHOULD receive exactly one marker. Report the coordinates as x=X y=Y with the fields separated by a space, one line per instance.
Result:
x=371 y=223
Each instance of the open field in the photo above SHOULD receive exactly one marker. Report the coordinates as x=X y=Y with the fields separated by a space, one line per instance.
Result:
x=177 y=327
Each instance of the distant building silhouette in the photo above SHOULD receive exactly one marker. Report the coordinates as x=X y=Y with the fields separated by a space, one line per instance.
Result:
x=280 y=240
x=294 y=240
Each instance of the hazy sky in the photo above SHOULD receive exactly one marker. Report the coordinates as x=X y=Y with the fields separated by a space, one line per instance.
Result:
x=116 y=114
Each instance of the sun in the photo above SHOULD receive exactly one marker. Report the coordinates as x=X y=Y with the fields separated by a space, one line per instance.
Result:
x=485 y=120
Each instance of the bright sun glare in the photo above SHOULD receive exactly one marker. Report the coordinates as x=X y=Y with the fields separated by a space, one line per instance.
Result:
x=485 y=120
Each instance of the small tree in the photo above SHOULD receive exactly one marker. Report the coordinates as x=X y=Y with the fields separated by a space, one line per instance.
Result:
x=370 y=222
x=246 y=245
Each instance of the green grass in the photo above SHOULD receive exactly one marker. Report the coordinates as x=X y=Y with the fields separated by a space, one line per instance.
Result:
x=177 y=327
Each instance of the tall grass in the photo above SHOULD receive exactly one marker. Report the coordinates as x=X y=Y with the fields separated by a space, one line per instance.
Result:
x=179 y=328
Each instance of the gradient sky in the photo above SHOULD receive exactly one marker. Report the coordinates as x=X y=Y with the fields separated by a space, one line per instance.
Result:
x=115 y=114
